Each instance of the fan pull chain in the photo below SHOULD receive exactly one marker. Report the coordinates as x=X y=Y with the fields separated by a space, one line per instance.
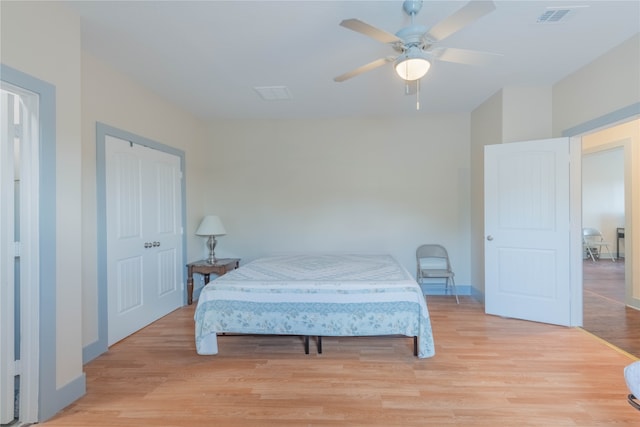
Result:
x=418 y=95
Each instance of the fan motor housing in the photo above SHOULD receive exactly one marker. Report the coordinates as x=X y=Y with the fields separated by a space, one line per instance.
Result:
x=413 y=35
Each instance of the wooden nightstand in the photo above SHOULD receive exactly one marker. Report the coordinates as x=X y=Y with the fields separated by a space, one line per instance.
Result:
x=220 y=267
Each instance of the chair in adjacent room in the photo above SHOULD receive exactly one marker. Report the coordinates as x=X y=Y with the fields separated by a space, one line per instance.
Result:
x=433 y=263
x=594 y=243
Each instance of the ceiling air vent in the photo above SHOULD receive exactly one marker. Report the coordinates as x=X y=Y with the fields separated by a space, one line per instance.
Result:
x=552 y=16
x=273 y=93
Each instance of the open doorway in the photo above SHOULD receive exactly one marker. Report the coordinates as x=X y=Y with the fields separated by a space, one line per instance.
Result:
x=605 y=207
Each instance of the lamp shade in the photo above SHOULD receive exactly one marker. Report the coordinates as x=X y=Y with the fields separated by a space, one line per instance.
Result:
x=412 y=64
x=211 y=226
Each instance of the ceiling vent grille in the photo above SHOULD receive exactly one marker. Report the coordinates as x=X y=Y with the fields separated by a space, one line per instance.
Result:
x=553 y=16
x=273 y=93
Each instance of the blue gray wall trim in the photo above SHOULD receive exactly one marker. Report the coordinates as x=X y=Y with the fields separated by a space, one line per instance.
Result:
x=100 y=346
x=65 y=396
x=51 y=399
x=624 y=113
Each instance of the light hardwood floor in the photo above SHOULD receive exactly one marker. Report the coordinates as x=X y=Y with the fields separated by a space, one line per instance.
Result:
x=605 y=312
x=488 y=371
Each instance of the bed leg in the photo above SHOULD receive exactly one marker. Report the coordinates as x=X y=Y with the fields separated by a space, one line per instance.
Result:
x=319 y=344
x=415 y=346
x=306 y=344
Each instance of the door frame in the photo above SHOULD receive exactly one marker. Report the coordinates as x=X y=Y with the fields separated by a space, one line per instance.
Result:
x=100 y=346
x=41 y=397
x=625 y=146
x=621 y=115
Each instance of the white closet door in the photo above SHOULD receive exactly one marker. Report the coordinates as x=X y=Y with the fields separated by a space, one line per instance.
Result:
x=7 y=260
x=144 y=250
x=19 y=254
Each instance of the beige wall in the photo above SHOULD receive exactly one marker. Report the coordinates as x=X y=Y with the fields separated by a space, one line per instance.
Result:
x=110 y=97
x=605 y=85
x=526 y=113
x=486 y=129
x=43 y=40
x=377 y=185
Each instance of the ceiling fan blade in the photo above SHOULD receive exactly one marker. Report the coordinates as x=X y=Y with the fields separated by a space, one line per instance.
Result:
x=464 y=56
x=370 y=31
x=469 y=13
x=363 y=69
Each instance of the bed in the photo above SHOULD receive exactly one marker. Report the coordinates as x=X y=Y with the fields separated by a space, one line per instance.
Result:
x=315 y=295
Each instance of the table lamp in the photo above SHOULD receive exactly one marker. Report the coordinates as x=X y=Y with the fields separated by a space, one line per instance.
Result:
x=211 y=226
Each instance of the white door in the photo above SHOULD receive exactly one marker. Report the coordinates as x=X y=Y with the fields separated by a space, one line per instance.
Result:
x=19 y=254
x=144 y=251
x=527 y=231
x=7 y=261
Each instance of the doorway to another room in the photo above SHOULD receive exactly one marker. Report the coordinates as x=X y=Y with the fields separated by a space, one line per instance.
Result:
x=605 y=204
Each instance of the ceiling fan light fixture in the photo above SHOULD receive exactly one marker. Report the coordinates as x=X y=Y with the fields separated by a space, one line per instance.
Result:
x=412 y=64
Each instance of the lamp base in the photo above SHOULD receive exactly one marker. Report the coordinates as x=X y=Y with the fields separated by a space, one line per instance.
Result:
x=211 y=243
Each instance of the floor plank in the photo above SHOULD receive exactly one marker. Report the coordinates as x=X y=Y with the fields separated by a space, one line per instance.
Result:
x=487 y=371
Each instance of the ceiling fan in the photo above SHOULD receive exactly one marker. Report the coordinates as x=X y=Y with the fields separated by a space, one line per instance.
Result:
x=416 y=43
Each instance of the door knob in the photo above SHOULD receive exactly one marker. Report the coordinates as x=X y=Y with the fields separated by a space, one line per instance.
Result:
x=489 y=237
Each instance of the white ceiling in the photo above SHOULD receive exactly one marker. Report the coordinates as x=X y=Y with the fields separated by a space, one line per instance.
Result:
x=207 y=56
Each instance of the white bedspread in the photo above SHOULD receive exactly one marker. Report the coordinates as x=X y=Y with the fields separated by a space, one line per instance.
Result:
x=321 y=295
